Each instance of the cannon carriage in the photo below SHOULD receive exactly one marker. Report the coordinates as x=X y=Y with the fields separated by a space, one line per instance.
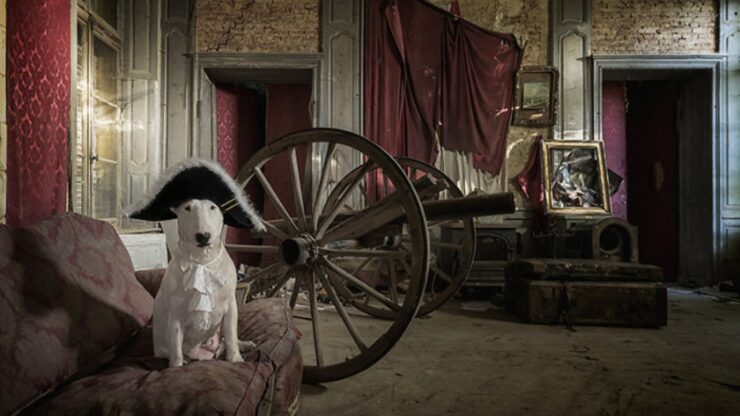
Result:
x=356 y=237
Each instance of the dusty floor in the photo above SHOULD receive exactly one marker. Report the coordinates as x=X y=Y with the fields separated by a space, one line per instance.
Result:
x=459 y=362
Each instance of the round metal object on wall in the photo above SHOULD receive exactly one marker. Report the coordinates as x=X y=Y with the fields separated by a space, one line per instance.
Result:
x=323 y=215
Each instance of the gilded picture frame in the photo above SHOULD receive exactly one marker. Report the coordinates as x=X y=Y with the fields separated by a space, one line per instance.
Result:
x=575 y=177
x=535 y=93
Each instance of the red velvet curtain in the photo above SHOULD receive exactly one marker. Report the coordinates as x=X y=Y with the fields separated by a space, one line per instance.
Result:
x=429 y=71
x=38 y=89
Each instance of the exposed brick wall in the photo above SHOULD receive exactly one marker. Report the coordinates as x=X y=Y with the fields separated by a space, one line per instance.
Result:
x=654 y=27
x=3 y=114
x=257 y=26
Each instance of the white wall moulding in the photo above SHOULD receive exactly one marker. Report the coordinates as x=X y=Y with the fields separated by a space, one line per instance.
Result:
x=342 y=40
x=729 y=147
x=141 y=159
x=702 y=138
x=570 y=51
x=177 y=46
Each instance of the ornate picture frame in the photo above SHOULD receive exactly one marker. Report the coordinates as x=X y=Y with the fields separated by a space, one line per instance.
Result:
x=535 y=93
x=575 y=177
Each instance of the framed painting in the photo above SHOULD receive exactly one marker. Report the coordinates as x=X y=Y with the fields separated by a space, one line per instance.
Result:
x=575 y=177
x=535 y=96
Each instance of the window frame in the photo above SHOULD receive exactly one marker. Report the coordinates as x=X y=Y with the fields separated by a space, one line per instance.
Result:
x=83 y=137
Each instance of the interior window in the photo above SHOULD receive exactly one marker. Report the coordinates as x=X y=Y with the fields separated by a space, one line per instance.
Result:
x=95 y=186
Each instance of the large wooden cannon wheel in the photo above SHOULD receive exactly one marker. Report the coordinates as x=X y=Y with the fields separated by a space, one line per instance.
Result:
x=308 y=239
x=443 y=281
x=332 y=225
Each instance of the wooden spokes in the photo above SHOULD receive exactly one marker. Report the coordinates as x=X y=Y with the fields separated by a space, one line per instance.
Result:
x=322 y=227
x=452 y=245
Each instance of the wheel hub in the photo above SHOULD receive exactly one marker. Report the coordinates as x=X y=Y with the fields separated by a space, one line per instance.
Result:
x=299 y=251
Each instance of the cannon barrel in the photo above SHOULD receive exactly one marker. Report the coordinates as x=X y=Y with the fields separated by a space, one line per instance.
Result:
x=390 y=213
x=469 y=206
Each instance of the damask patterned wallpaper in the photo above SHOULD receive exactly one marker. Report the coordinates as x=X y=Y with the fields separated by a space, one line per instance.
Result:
x=38 y=90
x=3 y=114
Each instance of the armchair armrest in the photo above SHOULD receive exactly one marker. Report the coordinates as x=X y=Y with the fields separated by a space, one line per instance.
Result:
x=150 y=279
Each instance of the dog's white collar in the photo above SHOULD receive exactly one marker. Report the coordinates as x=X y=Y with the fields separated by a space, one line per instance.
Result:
x=202 y=280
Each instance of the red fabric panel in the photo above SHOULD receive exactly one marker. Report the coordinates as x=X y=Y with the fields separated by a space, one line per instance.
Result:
x=239 y=136
x=614 y=133
x=428 y=69
x=455 y=8
x=391 y=118
x=287 y=111
x=652 y=143
x=38 y=65
x=478 y=91
x=530 y=178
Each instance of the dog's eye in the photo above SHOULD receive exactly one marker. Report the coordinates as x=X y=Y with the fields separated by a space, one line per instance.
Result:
x=213 y=207
x=187 y=208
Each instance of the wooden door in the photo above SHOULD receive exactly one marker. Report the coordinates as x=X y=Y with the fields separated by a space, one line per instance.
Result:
x=652 y=155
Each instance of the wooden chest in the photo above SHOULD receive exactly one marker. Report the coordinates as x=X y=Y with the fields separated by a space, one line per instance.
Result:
x=586 y=292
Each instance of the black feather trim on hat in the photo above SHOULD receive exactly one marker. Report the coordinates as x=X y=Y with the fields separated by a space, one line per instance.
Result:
x=197 y=179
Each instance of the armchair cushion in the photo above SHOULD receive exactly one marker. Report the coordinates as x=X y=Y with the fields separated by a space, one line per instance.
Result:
x=67 y=295
x=139 y=383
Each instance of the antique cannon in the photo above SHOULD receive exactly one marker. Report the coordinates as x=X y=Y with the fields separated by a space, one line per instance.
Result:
x=353 y=226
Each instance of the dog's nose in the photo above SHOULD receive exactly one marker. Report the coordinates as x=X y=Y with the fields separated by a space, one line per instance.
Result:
x=202 y=238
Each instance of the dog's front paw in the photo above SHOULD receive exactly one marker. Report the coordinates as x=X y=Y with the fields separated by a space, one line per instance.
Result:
x=235 y=357
x=176 y=362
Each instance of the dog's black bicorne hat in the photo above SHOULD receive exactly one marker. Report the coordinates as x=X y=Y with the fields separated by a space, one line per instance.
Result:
x=197 y=179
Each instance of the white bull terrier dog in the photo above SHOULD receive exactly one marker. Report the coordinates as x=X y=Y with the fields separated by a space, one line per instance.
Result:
x=195 y=310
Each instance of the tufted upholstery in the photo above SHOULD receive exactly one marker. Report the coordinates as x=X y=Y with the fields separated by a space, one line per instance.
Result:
x=68 y=295
x=73 y=319
x=138 y=383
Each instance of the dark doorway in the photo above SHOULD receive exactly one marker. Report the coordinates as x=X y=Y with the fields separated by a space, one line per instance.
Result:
x=254 y=108
x=657 y=130
x=652 y=171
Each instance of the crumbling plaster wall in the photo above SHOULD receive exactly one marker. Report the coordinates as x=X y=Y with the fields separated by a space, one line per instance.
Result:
x=274 y=26
x=3 y=113
x=529 y=21
x=619 y=27
x=654 y=27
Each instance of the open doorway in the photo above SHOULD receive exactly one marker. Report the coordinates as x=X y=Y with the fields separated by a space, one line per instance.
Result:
x=253 y=108
x=657 y=130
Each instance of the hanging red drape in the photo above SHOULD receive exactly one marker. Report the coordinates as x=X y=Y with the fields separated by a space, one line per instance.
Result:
x=428 y=71
x=478 y=92
x=530 y=177
x=394 y=118
x=38 y=65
